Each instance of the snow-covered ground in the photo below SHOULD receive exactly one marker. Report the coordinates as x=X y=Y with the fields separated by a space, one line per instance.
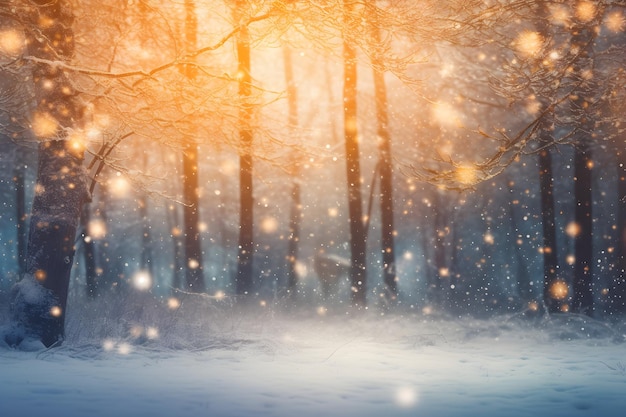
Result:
x=269 y=364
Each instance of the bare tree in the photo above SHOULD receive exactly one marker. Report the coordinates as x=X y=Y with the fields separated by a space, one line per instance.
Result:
x=40 y=298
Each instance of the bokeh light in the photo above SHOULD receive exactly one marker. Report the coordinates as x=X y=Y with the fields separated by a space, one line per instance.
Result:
x=406 y=397
x=142 y=280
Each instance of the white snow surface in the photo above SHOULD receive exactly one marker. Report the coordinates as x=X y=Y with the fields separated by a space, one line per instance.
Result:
x=264 y=363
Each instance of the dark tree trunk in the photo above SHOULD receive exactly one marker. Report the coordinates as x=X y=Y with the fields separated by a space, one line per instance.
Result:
x=386 y=173
x=146 y=238
x=177 y=266
x=244 y=281
x=583 y=244
x=40 y=298
x=194 y=269
x=358 y=244
x=194 y=277
x=89 y=253
x=618 y=290
x=20 y=213
x=551 y=297
x=582 y=38
x=295 y=213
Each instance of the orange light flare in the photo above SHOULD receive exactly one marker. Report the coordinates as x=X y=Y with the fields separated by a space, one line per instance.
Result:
x=446 y=115
x=119 y=186
x=586 y=10
x=96 y=229
x=466 y=174
x=44 y=125
x=573 y=229
x=173 y=303
x=12 y=43
x=529 y=43
x=615 y=22
x=560 y=14
x=559 y=290
x=269 y=225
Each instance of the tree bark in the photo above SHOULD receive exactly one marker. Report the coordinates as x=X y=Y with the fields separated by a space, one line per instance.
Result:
x=89 y=253
x=244 y=278
x=194 y=268
x=618 y=290
x=583 y=244
x=551 y=298
x=295 y=212
x=358 y=244
x=385 y=163
x=20 y=212
x=40 y=298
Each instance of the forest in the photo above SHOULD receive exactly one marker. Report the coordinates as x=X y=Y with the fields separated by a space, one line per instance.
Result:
x=457 y=158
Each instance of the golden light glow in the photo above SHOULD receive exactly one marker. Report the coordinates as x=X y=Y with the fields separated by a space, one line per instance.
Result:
x=228 y=167
x=529 y=43
x=560 y=14
x=533 y=106
x=445 y=114
x=142 y=280
x=586 y=10
x=533 y=306
x=173 y=303
x=572 y=229
x=351 y=125
x=193 y=264
x=97 y=229
x=39 y=189
x=489 y=238
x=44 y=125
x=119 y=186
x=40 y=275
x=11 y=42
x=333 y=212
x=615 y=22
x=444 y=272
x=570 y=259
x=301 y=269
x=219 y=295
x=76 y=142
x=559 y=290
x=269 y=225
x=55 y=311
x=321 y=311
x=466 y=174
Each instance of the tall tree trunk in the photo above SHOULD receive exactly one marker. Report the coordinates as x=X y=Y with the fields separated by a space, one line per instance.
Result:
x=618 y=290
x=295 y=213
x=89 y=253
x=194 y=277
x=40 y=298
x=583 y=245
x=146 y=237
x=194 y=269
x=244 y=281
x=358 y=244
x=583 y=36
x=385 y=164
x=552 y=295
x=20 y=213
